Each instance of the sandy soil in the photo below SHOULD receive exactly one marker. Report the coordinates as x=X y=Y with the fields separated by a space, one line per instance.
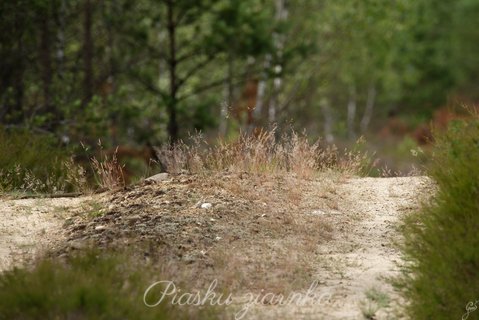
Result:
x=28 y=227
x=351 y=263
x=354 y=268
x=366 y=255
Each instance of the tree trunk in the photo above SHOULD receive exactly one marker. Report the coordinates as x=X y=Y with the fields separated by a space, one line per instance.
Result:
x=273 y=104
x=368 y=112
x=328 y=120
x=172 y=102
x=352 y=106
x=281 y=16
x=228 y=97
x=87 y=53
x=258 y=110
x=18 y=85
x=108 y=84
x=223 y=127
x=45 y=61
x=60 y=46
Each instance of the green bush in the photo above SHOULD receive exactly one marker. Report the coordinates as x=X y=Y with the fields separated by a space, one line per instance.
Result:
x=87 y=286
x=442 y=241
x=35 y=163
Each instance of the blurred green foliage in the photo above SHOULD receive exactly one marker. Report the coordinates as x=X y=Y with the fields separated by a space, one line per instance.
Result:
x=35 y=163
x=123 y=71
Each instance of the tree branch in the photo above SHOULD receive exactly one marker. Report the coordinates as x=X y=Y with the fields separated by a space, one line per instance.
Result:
x=195 y=69
x=151 y=49
x=181 y=15
x=149 y=86
x=214 y=84
x=194 y=52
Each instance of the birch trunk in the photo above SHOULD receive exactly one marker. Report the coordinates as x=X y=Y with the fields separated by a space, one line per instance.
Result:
x=279 y=39
x=368 y=112
x=261 y=93
x=258 y=109
x=228 y=98
x=352 y=106
x=328 y=120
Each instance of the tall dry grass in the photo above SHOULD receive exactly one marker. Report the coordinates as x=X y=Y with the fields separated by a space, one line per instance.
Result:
x=263 y=153
x=108 y=172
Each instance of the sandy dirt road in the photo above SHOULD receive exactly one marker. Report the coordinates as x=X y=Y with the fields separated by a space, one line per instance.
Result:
x=352 y=268
x=28 y=227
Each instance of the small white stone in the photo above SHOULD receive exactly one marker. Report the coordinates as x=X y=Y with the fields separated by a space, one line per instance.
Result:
x=100 y=228
x=158 y=177
x=217 y=238
x=206 y=205
x=322 y=213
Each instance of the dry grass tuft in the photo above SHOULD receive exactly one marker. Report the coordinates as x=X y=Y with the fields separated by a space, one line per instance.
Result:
x=107 y=170
x=263 y=153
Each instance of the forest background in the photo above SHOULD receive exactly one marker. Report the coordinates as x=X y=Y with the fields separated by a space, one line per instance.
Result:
x=143 y=73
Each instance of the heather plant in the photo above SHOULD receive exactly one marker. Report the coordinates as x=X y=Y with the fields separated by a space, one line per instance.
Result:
x=87 y=285
x=440 y=279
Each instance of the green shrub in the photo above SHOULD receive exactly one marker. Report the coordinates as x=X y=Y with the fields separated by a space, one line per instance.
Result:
x=87 y=286
x=35 y=163
x=442 y=241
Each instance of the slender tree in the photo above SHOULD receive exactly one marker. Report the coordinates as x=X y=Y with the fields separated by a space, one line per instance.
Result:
x=87 y=51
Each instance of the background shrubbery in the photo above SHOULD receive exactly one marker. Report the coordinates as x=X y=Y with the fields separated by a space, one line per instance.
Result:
x=442 y=241
x=35 y=163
